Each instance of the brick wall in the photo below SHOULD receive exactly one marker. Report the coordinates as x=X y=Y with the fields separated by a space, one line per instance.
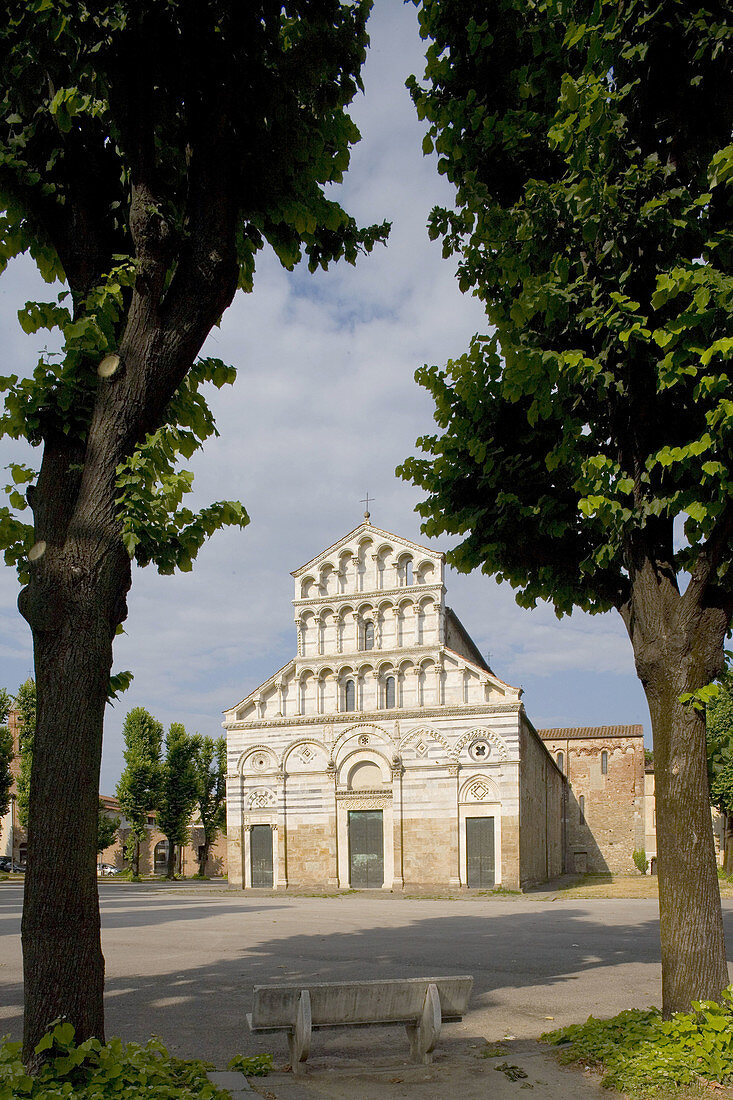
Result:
x=604 y=809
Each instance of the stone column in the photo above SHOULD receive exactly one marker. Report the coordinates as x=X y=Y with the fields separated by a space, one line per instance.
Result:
x=299 y=632
x=438 y=685
x=280 y=834
x=247 y=857
x=416 y=674
x=373 y=679
x=398 y=879
x=333 y=843
x=378 y=620
x=455 y=839
x=397 y=638
x=416 y=614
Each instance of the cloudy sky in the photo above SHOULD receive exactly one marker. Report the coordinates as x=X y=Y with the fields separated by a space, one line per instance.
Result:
x=324 y=408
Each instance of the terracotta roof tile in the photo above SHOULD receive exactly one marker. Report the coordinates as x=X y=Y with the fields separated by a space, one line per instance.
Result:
x=579 y=733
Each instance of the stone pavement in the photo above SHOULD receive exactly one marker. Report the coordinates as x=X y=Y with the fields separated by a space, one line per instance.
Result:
x=462 y=1074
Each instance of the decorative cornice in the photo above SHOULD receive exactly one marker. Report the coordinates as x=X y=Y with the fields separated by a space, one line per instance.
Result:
x=369 y=595
x=469 y=710
x=396 y=655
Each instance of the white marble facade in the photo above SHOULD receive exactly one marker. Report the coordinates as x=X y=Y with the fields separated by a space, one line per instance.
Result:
x=375 y=757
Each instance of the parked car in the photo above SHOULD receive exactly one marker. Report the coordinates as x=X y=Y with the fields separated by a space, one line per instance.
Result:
x=9 y=865
x=107 y=869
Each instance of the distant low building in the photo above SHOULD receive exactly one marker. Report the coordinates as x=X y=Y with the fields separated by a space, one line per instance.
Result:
x=154 y=848
x=604 y=796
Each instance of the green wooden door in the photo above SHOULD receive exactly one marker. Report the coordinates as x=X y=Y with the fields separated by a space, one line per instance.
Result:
x=366 y=849
x=260 y=840
x=480 y=851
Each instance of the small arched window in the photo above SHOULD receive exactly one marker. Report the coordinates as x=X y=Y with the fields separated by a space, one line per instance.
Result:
x=581 y=808
x=350 y=695
x=389 y=692
x=561 y=762
x=301 y=700
x=604 y=763
x=369 y=635
x=408 y=571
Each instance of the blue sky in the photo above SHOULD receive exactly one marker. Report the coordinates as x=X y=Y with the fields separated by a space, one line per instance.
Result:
x=323 y=409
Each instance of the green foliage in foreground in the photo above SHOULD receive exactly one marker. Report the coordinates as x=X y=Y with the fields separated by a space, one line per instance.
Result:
x=96 y=1071
x=259 y=1065
x=639 y=1052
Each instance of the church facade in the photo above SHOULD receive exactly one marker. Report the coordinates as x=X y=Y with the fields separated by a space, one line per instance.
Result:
x=387 y=754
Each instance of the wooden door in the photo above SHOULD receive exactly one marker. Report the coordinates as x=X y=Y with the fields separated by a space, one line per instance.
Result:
x=480 y=851
x=366 y=849
x=260 y=850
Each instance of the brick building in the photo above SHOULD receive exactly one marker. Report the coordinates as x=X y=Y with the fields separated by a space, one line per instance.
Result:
x=154 y=848
x=604 y=796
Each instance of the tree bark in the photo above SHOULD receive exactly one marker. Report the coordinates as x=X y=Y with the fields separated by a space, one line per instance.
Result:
x=678 y=648
x=74 y=602
x=170 y=870
x=204 y=858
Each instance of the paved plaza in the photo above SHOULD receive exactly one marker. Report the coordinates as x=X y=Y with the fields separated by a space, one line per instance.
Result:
x=182 y=961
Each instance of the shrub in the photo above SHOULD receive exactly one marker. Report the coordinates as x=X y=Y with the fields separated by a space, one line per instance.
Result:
x=638 y=1050
x=639 y=858
x=259 y=1065
x=96 y=1071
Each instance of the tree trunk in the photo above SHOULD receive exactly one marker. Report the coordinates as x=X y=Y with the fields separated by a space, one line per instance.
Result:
x=170 y=869
x=73 y=604
x=678 y=648
x=204 y=858
x=728 y=844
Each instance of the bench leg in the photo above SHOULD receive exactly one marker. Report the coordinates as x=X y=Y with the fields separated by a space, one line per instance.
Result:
x=424 y=1035
x=299 y=1039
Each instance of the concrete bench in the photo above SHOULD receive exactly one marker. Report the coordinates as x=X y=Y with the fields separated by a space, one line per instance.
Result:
x=419 y=1004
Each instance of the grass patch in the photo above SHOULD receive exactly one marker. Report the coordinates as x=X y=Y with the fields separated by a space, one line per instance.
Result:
x=96 y=1071
x=641 y=1054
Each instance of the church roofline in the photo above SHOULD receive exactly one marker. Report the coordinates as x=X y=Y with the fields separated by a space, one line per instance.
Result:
x=587 y=733
x=366 y=526
x=264 y=684
x=481 y=668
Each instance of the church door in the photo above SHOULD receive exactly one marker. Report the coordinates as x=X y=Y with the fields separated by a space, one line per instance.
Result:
x=366 y=849
x=260 y=839
x=480 y=851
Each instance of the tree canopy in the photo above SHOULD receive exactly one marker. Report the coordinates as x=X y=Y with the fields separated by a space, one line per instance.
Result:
x=590 y=150
x=210 y=762
x=25 y=705
x=6 y=753
x=178 y=789
x=148 y=153
x=586 y=453
x=138 y=790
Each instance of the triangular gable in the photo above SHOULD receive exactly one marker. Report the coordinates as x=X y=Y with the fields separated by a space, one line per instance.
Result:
x=267 y=683
x=483 y=669
x=372 y=530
